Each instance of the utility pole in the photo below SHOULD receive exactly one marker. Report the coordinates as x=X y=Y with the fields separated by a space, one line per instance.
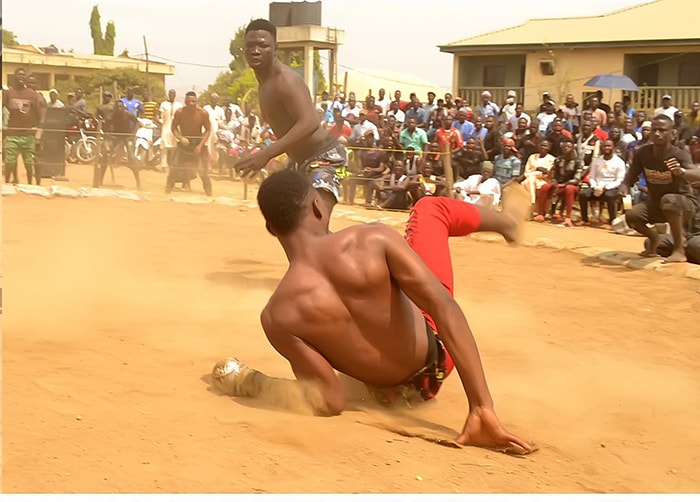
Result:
x=148 y=80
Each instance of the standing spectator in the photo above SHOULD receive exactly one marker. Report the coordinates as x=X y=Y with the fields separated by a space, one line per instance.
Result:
x=364 y=127
x=603 y=106
x=530 y=140
x=216 y=117
x=587 y=144
x=120 y=129
x=491 y=142
x=629 y=134
x=487 y=108
x=413 y=137
x=564 y=182
x=627 y=106
x=558 y=132
x=517 y=116
x=598 y=112
x=693 y=118
x=54 y=102
x=671 y=198
x=508 y=108
x=546 y=117
x=79 y=106
x=606 y=174
x=167 y=113
x=683 y=130
x=374 y=111
x=506 y=165
x=449 y=136
x=666 y=107
x=619 y=146
x=131 y=102
x=25 y=115
x=150 y=107
x=352 y=107
x=572 y=114
x=192 y=127
x=430 y=106
x=383 y=101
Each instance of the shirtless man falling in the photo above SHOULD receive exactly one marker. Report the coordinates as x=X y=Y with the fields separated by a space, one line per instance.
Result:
x=376 y=316
x=191 y=127
x=286 y=104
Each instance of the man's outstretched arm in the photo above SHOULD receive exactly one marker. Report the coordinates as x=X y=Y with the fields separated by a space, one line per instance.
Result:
x=317 y=389
x=417 y=281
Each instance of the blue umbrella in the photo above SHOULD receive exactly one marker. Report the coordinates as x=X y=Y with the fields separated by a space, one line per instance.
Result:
x=609 y=81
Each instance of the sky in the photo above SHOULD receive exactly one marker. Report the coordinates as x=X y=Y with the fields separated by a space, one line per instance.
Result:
x=194 y=35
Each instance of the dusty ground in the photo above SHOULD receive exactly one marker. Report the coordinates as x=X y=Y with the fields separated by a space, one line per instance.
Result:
x=115 y=311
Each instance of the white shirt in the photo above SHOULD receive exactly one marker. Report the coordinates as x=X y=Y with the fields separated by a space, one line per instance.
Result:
x=399 y=114
x=359 y=130
x=490 y=187
x=669 y=112
x=514 y=120
x=347 y=110
x=545 y=119
x=167 y=112
x=607 y=174
x=384 y=103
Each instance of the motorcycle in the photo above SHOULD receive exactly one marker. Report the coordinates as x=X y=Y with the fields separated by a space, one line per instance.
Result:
x=81 y=140
x=146 y=151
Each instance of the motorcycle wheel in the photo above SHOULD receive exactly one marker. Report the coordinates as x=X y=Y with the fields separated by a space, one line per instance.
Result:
x=86 y=151
x=71 y=157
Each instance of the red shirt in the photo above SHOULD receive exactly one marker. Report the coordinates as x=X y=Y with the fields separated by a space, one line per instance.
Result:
x=344 y=131
x=450 y=137
x=602 y=135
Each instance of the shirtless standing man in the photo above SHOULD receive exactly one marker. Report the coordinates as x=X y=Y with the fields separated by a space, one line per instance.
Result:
x=191 y=127
x=286 y=105
x=376 y=318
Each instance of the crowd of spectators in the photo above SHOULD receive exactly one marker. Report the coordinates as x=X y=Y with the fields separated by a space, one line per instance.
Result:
x=572 y=157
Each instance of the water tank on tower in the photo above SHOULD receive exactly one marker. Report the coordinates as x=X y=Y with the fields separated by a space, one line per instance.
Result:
x=306 y=13
x=281 y=13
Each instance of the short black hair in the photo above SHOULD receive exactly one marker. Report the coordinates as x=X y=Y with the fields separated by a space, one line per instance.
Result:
x=282 y=200
x=191 y=93
x=262 y=25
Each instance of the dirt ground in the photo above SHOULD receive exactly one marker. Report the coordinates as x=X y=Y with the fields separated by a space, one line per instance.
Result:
x=115 y=312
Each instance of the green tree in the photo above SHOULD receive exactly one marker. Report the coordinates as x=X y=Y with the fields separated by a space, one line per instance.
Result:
x=237 y=49
x=103 y=46
x=9 y=38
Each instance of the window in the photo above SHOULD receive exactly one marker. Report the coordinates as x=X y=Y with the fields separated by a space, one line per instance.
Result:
x=494 y=76
x=688 y=74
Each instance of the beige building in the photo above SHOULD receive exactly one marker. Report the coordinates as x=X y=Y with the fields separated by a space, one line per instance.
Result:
x=657 y=44
x=49 y=65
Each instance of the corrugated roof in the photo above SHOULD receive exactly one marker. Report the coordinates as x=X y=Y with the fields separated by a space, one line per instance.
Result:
x=668 y=20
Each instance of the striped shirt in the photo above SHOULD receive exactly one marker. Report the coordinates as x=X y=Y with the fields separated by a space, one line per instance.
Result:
x=149 y=109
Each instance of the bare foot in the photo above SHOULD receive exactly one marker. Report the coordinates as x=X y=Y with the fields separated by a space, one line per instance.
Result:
x=648 y=254
x=516 y=205
x=539 y=218
x=676 y=257
x=567 y=222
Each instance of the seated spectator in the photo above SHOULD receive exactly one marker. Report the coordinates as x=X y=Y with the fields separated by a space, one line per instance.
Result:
x=479 y=130
x=558 y=132
x=397 y=113
x=434 y=157
x=619 y=146
x=683 y=130
x=537 y=169
x=639 y=118
x=413 y=137
x=373 y=162
x=339 y=128
x=508 y=108
x=363 y=126
x=546 y=100
x=374 y=111
x=506 y=165
x=600 y=133
x=481 y=189
x=564 y=182
x=432 y=184
x=465 y=127
x=627 y=106
x=392 y=189
x=383 y=101
x=530 y=140
x=413 y=162
x=352 y=107
x=467 y=160
x=606 y=175
x=417 y=113
x=618 y=115
x=326 y=115
x=448 y=136
x=491 y=143
x=596 y=110
x=514 y=120
x=629 y=133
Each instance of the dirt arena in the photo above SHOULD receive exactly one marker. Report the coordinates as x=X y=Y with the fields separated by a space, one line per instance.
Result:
x=115 y=312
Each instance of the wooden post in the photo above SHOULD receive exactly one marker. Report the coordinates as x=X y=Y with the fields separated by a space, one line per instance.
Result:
x=148 y=81
x=96 y=167
x=449 y=173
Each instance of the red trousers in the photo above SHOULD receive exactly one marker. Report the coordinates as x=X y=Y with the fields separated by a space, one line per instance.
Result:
x=549 y=190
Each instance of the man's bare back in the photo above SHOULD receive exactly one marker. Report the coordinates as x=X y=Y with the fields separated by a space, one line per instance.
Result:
x=349 y=308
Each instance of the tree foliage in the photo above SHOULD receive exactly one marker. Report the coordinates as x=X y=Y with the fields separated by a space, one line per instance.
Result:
x=101 y=45
x=9 y=38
